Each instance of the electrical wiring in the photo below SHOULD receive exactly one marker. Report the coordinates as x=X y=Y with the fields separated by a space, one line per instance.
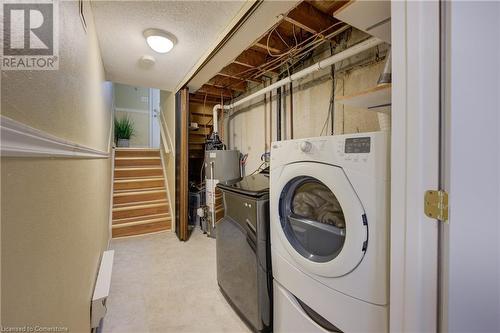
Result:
x=312 y=40
x=294 y=36
x=294 y=54
x=279 y=35
x=300 y=50
x=258 y=169
x=331 y=106
x=297 y=51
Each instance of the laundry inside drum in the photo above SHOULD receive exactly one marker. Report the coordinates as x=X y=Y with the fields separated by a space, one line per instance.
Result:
x=313 y=219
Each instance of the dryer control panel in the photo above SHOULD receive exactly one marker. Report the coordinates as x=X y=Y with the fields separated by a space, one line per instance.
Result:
x=357 y=145
x=354 y=149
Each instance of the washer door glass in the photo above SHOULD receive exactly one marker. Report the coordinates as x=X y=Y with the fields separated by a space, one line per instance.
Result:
x=312 y=219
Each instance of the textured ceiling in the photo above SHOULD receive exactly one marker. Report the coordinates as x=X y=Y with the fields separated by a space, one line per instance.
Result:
x=195 y=24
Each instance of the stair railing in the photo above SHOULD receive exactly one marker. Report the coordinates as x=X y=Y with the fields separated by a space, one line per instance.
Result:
x=165 y=134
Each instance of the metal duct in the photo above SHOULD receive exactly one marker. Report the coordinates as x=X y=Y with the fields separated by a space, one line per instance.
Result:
x=386 y=75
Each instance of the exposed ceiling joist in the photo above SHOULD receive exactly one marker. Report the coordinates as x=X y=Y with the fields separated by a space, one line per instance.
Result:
x=263 y=16
x=310 y=18
x=237 y=72
x=238 y=77
x=236 y=87
x=327 y=6
x=201 y=100
x=215 y=91
x=228 y=82
x=250 y=58
x=276 y=42
x=267 y=48
x=304 y=28
x=300 y=25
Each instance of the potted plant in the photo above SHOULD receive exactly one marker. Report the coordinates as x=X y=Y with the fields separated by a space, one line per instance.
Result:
x=124 y=129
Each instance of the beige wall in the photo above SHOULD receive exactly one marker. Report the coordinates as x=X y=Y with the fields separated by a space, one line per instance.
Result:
x=248 y=127
x=136 y=100
x=55 y=211
x=167 y=105
x=131 y=97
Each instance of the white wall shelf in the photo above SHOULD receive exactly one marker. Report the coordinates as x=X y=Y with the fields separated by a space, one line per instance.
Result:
x=377 y=99
x=372 y=17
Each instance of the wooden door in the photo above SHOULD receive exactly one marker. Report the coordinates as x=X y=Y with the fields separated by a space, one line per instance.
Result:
x=181 y=163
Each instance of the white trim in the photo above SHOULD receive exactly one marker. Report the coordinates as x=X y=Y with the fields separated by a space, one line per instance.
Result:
x=131 y=110
x=110 y=222
x=110 y=133
x=154 y=103
x=20 y=140
x=172 y=217
x=165 y=134
x=150 y=113
x=414 y=165
x=111 y=139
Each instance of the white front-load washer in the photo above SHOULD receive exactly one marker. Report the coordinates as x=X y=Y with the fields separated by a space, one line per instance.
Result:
x=329 y=233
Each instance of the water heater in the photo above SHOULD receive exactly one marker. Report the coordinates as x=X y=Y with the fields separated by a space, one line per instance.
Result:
x=220 y=166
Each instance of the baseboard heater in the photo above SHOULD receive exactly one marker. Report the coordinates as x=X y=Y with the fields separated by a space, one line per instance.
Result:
x=101 y=290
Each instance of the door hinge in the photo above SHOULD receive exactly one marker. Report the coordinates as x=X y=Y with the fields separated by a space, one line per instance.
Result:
x=436 y=205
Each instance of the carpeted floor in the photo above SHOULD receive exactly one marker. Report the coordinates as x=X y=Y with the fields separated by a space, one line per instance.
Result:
x=162 y=285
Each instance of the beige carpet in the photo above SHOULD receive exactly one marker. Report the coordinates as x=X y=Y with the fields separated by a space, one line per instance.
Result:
x=162 y=285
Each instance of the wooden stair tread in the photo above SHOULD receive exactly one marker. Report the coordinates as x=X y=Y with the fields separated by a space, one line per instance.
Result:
x=127 y=198
x=144 y=220
x=143 y=161
x=139 y=210
x=136 y=149
x=140 y=229
x=137 y=179
x=133 y=183
x=125 y=179
x=139 y=189
x=135 y=192
x=138 y=171
x=137 y=158
x=133 y=168
x=139 y=203
x=135 y=207
x=140 y=218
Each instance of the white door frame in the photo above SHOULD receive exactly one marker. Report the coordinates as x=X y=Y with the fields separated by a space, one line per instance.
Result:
x=150 y=108
x=153 y=100
x=415 y=165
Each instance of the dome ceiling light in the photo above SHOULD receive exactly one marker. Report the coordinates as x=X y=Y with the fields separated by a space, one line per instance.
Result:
x=160 y=41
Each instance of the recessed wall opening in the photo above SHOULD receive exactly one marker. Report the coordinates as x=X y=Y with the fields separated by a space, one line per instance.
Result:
x=141 y=107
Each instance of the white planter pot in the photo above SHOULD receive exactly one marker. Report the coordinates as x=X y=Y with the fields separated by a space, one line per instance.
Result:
x=123 y=143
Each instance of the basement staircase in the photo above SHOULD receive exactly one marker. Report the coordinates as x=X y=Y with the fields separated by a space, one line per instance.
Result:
x=140 y=204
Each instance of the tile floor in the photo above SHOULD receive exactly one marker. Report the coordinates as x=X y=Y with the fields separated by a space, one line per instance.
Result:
x=162 y=285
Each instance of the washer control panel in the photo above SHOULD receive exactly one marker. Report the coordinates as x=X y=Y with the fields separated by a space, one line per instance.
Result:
x=350 y=149
x=357 y=145
x=355 y=149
